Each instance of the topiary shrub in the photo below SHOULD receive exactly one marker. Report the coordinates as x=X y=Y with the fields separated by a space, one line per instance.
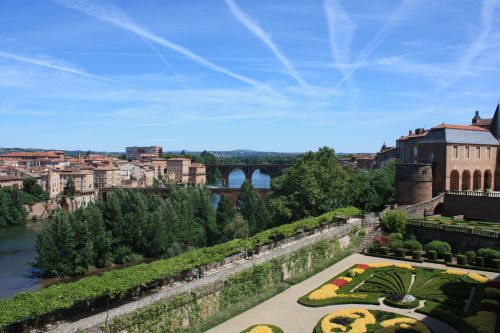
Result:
x=396 y=244
x=479 y=261
x=440 y=247
x=461 y=260
x=416 y=255
x=412 y=245
x=400 y=253
x=396 y=235
x=384 y=250
x=393 y=221
x=432 y=254
x=488 y=254
x=448 y=257
x=495 y=263
x=471 y=256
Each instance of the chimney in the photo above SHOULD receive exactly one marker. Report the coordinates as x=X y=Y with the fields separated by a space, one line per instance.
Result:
x=410 y=132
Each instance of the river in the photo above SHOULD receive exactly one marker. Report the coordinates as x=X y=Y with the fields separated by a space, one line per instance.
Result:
x=18 y=251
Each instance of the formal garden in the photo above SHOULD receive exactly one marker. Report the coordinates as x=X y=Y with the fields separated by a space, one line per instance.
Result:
x=467 y=301
x=363 y=320
x=447 y=220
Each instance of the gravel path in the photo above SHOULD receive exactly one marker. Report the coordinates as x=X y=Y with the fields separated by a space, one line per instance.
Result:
x=284 y=311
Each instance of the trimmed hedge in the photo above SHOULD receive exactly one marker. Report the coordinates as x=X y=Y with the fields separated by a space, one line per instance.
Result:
x=440 y=247
x=448 y=257
x=432 y=255
x=400 y=253
x=479 y=261
x=119 y=282
x=274 y=329
x=384 y=250
x=495 y=264
x=461 y=259
x=416 y=255
x=401 y=305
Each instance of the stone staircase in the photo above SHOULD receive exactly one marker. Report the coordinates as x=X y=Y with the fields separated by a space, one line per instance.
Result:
x=371 y=232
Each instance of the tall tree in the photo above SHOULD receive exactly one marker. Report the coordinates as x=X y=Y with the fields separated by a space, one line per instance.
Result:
x=315 y=184
x=252 y=208
x=69 y=188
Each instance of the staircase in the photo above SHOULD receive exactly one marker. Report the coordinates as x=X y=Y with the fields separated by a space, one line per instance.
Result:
x=370 y=234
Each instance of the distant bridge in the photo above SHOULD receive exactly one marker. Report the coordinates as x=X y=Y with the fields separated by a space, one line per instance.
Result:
x=273 y=170
x=233 y=193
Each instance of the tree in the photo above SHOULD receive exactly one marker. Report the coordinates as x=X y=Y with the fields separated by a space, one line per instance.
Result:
x=252 y=208
x=393 y=221
x=225 y=213
x=69 y=188
x=237 y=228
x=315 y=184
x=12 y=211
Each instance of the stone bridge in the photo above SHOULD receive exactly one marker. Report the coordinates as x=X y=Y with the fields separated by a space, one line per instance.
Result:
x=273 y=170
x=233 y=193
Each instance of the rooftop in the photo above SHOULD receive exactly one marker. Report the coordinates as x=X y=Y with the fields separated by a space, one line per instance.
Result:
x=461 y=127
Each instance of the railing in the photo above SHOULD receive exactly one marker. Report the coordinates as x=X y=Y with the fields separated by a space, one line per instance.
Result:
x=454 y=228
x=416 y=207
x=474 y=194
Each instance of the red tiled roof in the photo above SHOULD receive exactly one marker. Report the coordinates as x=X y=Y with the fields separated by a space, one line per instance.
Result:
x=461 y=127
x=9 y=178
x=406 y=137
x=34 y=154
x=484 y=122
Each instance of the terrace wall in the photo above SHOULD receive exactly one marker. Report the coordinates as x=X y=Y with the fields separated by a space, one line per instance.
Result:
x=190 y=304
x=473 y=205
x=460 y=239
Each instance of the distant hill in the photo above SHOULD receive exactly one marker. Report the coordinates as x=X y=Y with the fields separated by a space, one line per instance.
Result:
x=67 y=152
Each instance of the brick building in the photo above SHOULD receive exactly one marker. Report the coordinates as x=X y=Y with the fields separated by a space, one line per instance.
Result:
x=461 y=157
x=136 y=153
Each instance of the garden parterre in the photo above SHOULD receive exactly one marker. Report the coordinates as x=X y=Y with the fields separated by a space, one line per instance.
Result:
x=467 y=301
x=263 y=328
x=360 y=320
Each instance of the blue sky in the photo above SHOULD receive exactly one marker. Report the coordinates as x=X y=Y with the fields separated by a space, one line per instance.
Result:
x=227 y=74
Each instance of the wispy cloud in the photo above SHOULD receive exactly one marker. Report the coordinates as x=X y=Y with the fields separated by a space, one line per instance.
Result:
x=479 y=44
x=108 y=13
x=251 y=25
x=340 y=32
x=48 y=64
x=401 y=13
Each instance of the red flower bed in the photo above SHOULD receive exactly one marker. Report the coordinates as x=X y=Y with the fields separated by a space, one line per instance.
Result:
x=339 y=282
x=362 y=266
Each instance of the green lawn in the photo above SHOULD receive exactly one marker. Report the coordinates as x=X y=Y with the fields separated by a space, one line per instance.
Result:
x=481 y=225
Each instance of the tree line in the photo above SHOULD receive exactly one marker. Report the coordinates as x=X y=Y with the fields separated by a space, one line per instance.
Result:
x=130 y=225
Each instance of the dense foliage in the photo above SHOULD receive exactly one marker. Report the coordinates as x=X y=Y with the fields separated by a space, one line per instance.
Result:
x=128 y=224
x=440 y=247
x=120 y=281
x=393 y=221
x=317 y=183
x=12 y=201
x=11 y=208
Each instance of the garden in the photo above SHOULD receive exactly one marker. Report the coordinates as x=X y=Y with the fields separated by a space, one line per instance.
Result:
x=481 y=225
x=263 y=328
x=467 y=301
x=363 y=320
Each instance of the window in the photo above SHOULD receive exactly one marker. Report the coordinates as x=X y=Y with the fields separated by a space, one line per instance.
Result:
x=467 y=152
x=478 y=152
x=488 y=151
x=455 y=151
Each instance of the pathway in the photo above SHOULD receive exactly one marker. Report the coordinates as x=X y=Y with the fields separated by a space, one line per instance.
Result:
x=284 y=311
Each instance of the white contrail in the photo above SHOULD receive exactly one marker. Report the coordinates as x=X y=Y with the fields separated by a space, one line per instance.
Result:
x=480 y=43
x=399 y=15
x=244 y=19
x=340 y=33
x=108 y=13
x=45 y=63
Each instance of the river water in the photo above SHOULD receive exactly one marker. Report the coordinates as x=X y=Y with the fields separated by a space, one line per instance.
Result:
x=17 y=245
x=17 y=252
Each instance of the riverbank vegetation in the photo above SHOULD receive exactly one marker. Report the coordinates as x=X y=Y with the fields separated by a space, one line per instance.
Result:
x=12 y=200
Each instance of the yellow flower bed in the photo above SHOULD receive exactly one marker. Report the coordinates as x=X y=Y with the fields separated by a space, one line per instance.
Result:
x=361 y=316
x=325 y=292
x=348 y=279
x=391 y=325
x=380 y=264
x=455 y=272
x=357 y=270
x=478 y=277
x=405 y=266
x=261 y=329
x=483 y=322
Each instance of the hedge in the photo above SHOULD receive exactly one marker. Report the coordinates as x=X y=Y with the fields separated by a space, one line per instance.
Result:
x=479 y=261
x=401 y=305
x=431 y=254
x=416 y=255
x=448 y=257
x=400 y=253
x=384 y=250
x=119 y=282
x=461 y=259
x=440 y=247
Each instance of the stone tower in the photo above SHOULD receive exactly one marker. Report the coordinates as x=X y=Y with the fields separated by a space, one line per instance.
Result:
x=413 y=183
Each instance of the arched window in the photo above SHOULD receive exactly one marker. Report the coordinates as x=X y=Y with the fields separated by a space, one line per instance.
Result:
x=466 y=180
x=488 y=180
x=477 y=180
x=454 y=181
